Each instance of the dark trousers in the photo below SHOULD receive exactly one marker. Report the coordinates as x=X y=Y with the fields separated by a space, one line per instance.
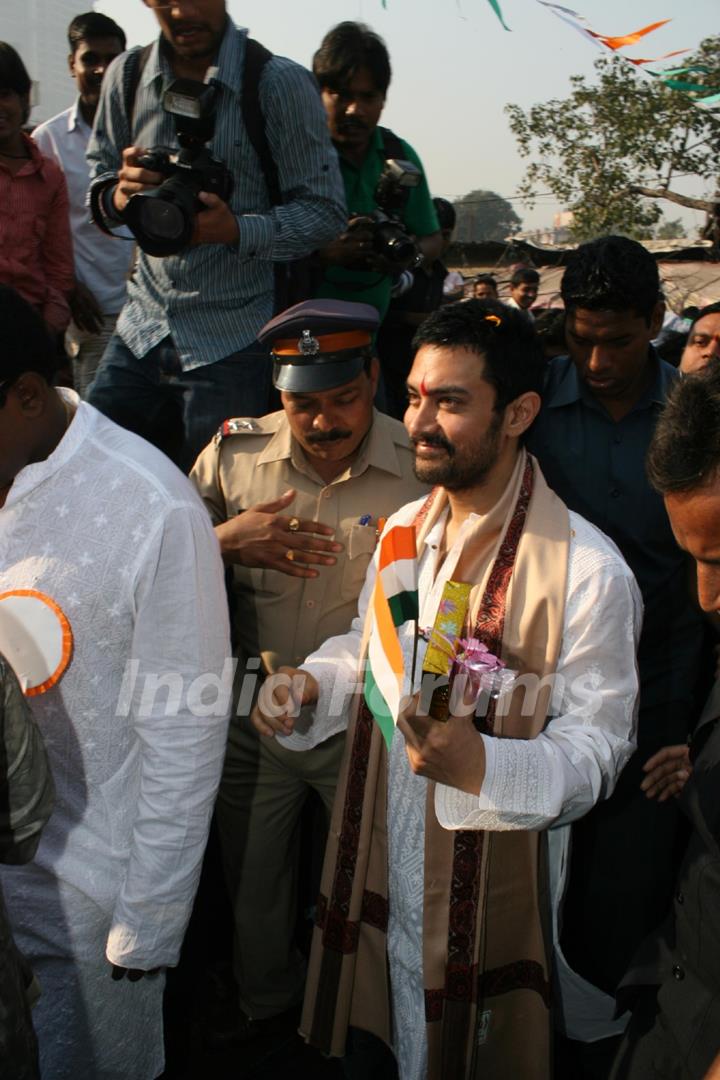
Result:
x=625 y=857
x=584 y=1061
x=179 y=411
x=368 y=1058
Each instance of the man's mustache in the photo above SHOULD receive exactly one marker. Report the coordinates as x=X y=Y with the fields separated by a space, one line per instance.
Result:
x=328 y=436
x=351 y=124
x=434 y=440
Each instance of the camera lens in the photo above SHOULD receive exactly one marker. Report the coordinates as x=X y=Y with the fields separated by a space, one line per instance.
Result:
x=161 y=220
x=399 y=249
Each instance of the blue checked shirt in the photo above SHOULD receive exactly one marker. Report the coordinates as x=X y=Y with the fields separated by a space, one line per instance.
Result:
x=213 y=299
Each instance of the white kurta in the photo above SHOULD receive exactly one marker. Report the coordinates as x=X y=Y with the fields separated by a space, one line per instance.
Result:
x=111 y=531
x=545 y=782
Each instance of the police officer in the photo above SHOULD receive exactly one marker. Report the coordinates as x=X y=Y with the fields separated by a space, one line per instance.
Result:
x=298 y=498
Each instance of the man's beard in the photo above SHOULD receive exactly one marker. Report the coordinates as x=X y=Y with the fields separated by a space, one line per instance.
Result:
x=459 y=472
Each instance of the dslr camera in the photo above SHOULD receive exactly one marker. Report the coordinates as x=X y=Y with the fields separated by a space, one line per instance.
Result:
x=389 y=235
x=162 y=219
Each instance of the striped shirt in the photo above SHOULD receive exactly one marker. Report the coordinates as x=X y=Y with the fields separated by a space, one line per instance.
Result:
x=213 y=299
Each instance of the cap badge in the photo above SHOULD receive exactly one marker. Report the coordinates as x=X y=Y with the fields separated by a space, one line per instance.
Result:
x=308 y=345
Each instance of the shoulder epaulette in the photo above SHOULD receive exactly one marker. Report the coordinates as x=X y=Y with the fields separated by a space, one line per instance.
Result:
x=244 y=426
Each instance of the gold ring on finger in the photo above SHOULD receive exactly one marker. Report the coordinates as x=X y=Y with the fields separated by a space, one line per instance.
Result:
x=290 y=554
x=294 y=524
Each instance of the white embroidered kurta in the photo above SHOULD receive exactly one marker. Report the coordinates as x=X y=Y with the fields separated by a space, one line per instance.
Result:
x=113 y=533
x=529 y=784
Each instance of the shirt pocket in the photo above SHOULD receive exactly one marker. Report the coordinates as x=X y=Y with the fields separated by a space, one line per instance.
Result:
x=359 y=548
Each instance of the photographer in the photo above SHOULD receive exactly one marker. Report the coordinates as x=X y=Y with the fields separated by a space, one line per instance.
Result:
x=185 y=356
x=352 y=67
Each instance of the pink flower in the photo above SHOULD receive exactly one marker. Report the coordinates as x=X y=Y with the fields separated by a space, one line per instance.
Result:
x=475 y=654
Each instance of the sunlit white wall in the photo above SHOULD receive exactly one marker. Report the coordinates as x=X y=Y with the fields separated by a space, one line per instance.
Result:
x=38 y=30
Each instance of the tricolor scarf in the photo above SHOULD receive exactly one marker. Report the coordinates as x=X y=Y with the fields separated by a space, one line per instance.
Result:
x=486 y=946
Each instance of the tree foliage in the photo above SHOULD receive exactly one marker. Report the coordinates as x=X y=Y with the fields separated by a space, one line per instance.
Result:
x=615 y=134
x=484 y=215
x=670 y=230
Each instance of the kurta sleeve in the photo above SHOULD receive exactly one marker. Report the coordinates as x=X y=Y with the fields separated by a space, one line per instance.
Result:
x=181 y=637
x=558 y=776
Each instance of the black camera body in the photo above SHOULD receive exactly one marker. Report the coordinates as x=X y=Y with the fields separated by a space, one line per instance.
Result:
x=390 y=237
x=163 y=218
x=199 y=171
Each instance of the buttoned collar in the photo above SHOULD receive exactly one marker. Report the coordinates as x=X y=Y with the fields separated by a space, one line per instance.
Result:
x=76 y=120
x=570 y=388
x=32 y=476
x=376 y=451
x=230 y=59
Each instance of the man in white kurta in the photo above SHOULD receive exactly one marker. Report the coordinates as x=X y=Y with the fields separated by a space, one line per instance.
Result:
x=110 y=531
x=528 y=784
x=546 y=782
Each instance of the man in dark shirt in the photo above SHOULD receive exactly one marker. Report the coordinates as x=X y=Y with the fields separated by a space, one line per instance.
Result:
x=600 y=407
x=674 y=982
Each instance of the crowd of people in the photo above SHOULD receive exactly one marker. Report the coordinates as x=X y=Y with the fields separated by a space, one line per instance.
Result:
x=273 y=481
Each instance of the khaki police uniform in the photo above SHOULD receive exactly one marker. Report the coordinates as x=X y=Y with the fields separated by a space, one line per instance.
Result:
x=281 y=619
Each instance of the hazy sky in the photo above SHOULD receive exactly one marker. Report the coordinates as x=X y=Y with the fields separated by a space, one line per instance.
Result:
x=454 y=68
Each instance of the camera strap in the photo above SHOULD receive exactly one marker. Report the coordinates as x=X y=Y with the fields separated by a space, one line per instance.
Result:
x=392 y=144
x=256 y=57
x=134 y=67
x=297 y=279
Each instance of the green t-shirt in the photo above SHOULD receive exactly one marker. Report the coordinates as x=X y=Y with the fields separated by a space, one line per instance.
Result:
x=419 y=217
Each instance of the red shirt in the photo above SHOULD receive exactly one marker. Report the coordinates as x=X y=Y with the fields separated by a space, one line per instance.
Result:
x=36 y=255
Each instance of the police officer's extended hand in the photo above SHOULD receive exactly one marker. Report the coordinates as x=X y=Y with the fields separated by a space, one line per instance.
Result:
x=132 y=178
x=262 y=537
x=281 y=697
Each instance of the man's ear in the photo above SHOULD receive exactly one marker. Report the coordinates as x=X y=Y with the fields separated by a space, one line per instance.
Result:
x=71 y=64
x=656 y=319
x=374 y=373
x=520 y=414
x=31 y=393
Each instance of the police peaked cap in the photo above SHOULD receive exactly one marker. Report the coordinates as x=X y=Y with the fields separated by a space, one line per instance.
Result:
x=319 y=344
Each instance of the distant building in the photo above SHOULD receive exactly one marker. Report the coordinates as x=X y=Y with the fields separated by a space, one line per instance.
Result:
x=38 y=30
x=558 y=236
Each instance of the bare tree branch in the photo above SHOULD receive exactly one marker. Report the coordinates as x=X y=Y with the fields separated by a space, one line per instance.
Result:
x=672 y=196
